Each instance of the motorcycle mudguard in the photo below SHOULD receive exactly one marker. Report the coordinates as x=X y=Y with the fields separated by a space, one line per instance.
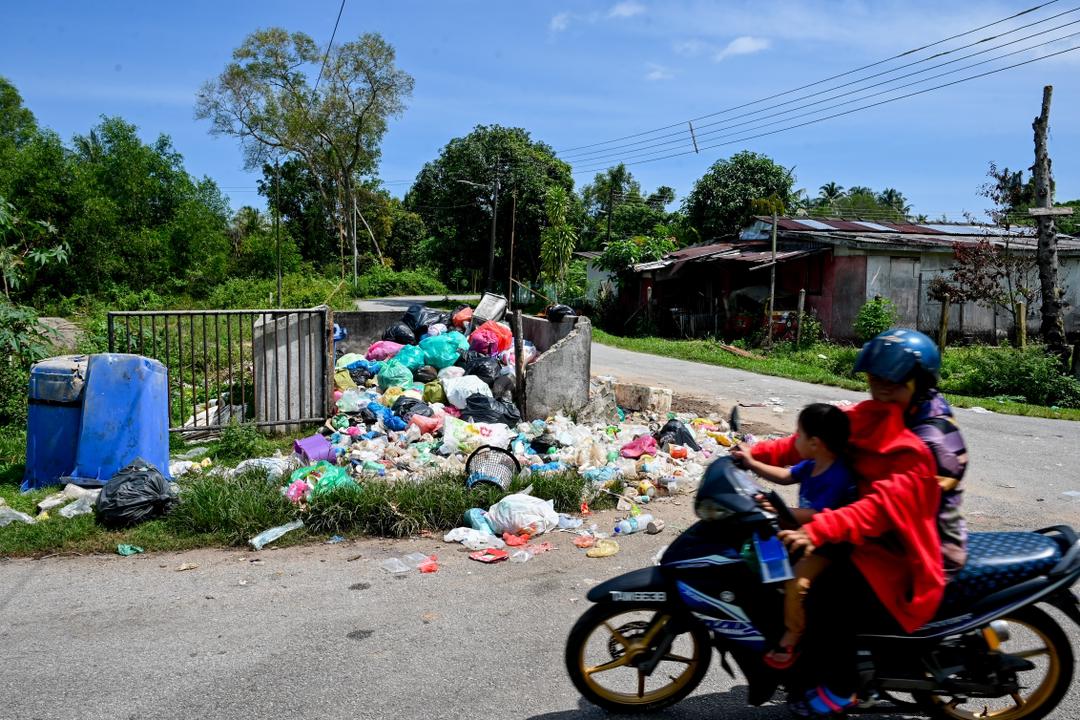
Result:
x=1068 y=603
x=646 y=584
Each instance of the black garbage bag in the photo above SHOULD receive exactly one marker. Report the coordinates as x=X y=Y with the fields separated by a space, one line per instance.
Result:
x=420 y=318
x=484 y=367
x=133 y=495
x=367 y=416
x=360 y=375
x=675 y=432
x=400 y=333
x=406 y=407
x=558 y=313
x=425 y=374
x=543 y=443
x=481 y=408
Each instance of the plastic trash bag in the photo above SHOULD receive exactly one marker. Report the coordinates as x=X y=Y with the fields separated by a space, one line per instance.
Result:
x=269 y=536
x=480 y=408
x=529 y=352
x=419 y=318
x=441 y=351
x=411 y=357
x=406 y=407
x=425 y=374
x=517 y=513
x=485 y=368
x=558 y=313
x=135 y=494
x=460 y=339
x=462 y=316
x=370 y=366
x=459 y=389
x=400 y=333
x=484 y=342
x=434 y=393
x=394 y=374
x=464 y=437
x=641 y=445
x=675 y=432
x=346 y=360
x=10 y=515
x=350 y=401
x=427 y=425
x=436 y=329
x=502 y=332
x=383 y=350
x=474 y=539
x=454 y=371
x=274 y=467
x=389 y=420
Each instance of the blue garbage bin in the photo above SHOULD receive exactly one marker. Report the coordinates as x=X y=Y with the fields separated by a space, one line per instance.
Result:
x=53 y=420
x=125 y=416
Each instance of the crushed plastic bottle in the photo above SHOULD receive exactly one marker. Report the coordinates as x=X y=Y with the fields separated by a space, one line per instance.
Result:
x=633 y=524
x=269 y=536
x=395 y=566
x=520 y=555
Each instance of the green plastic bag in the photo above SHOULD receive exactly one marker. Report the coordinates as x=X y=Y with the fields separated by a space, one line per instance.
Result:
x=411 y=357
x=434 y=393
x=441 y=351
x=330 y=477
x=459 y=338
x=394 y=374
x=346 y=360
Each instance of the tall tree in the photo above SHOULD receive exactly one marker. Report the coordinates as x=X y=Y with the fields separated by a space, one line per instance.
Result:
x=720 y=203
x=558 y=239
x=334 y=125
x=830 y=192
x=1053 y=325
x=893 y=198
x=452 y=194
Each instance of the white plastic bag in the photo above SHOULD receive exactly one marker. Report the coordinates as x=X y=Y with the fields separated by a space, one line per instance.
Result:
x=9 y=515
x=515 y=513
x=473 y=539
x=464 y=437
x=82 y=506
x=459 y=389
x=275 y=467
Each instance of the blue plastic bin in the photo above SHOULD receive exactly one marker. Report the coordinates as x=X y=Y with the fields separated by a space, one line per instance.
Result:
x=125 y=416
x=52 y=426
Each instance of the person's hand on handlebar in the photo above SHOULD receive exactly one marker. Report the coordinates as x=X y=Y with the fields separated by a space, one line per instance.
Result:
x=797 y=540
x=741 y=455
x=764 y=504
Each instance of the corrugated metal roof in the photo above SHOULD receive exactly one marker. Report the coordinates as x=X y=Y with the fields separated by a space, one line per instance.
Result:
x=589 y=254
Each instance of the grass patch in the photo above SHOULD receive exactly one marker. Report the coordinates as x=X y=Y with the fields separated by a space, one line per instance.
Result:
x=826 y=364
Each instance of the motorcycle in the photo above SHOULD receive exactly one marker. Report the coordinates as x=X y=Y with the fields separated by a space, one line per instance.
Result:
x=648 y=640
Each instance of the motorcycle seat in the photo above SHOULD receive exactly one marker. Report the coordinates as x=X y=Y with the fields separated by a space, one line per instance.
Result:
x=997 y=560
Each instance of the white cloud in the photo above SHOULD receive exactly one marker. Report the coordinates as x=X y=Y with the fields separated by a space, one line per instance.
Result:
x=744 y=45
x=658 y=72
x=560 y=22
x=625 y=9
x=690 y=48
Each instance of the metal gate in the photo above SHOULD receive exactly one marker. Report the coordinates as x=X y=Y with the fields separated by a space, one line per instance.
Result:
x=270 y=367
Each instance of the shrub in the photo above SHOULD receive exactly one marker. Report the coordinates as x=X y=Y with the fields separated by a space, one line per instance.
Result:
x=381 y=281
x=1031 y=374
x=240 y=441
x=302 y=289
x=233 y=510
x=875 y=317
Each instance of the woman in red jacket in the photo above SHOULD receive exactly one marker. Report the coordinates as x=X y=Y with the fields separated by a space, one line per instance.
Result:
x=895 y=579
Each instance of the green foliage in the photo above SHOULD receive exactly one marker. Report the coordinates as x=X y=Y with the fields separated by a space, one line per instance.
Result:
x=240 y=441
x=720 y=203
x=380 y=281
x=14 y=379
x=25 y=246
x=231 y=510
x=558 y=239
x=621 y=255
x=303 y=289
x=875 y=316
x=258 y=255
x=889 y=205
x=1031 y=374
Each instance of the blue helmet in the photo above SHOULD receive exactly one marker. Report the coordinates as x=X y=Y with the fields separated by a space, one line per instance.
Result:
x=896 y=353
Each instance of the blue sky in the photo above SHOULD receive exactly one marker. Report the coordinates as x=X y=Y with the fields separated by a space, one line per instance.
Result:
x=575 y=73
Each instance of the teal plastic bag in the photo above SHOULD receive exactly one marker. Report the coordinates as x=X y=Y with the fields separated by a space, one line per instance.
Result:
x=394 y=374
x=410 y=356
x=459 y=338
x=441 y=351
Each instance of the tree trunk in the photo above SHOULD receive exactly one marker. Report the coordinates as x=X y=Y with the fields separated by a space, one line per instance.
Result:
x=943 y=325
x=1053 y=327
x=1020 y=314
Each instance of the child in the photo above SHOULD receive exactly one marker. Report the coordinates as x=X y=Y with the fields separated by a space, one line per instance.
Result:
x=824 y=483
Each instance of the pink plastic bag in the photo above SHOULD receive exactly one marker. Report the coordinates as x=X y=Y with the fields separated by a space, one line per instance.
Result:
x=505 y=337
x=452 y=411
x=484 y=342
x=383 y=350
x=427 y=425
x=297 y=491
x=641 y=445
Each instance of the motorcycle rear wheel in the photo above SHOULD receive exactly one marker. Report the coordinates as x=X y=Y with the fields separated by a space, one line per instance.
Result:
x=1036 y=637
x=610 y=641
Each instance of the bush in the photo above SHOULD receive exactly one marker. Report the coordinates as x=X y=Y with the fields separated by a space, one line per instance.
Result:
x=240 y=441
x=233 y=510
x=14 y=379
x=1031 y=374
x=381 y=281
x=302 y=289
x=875 y=317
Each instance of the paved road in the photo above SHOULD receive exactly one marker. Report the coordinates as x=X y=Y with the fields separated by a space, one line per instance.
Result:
x=1020 y=466
x=403 y=303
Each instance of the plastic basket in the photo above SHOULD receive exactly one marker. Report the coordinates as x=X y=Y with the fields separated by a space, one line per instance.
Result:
x=490 y=465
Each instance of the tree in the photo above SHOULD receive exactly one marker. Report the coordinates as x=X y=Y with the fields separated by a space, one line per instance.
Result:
x=293 y=191
x=719 y=205
x=830 y=192
x=621 y=255
x=558 y=239
x=452 y=196
x=1053 y=324
x=661 y=197
x=17 y=123
x=893 y=198
x=25 y=246
x=335 y=127
x=860 y=202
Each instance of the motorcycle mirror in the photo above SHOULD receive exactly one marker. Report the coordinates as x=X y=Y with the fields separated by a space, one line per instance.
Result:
x=733 y=421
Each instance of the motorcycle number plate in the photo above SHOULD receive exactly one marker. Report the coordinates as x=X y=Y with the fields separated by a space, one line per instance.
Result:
x=638 y=596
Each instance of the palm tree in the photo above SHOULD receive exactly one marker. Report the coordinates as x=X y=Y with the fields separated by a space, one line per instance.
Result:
x=89 y=146
x=893 y=198
x=830 y=192
x=859 y=190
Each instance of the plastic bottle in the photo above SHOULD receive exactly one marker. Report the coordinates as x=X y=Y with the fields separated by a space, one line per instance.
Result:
x=269 y=536
x=633 y=524
x=520 y=555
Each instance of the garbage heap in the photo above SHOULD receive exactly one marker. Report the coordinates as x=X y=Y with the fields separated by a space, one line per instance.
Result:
x=428 y=395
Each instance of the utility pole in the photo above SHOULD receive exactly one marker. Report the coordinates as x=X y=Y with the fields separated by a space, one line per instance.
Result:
x=772 y=280
x=513 y=225
x=277 y=225
x=1053 y=327
x=610 y=209
x=490 y=281
x=354 y=250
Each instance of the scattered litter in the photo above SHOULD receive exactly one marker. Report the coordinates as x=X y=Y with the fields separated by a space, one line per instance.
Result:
x=490 y=555
x=395 y=566
x=187 y=566
x=128 y=550
x=474 y=539
x=520 y=555
x=82 y=506
x=428 y=566
x=1072 y=494
x=655 y=527
x=585 y=541
x=269 y=536
x=335 y=539
x=978 y=409
x=633 y=524
x=604 y=547
x=9 y=515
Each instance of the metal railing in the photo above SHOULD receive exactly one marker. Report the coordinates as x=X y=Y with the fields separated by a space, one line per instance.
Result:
x=270 y=367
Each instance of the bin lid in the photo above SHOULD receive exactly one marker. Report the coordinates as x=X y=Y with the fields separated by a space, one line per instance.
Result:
x=58 y=379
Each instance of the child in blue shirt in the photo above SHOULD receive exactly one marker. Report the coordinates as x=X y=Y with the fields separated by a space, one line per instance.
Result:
x=825 y=482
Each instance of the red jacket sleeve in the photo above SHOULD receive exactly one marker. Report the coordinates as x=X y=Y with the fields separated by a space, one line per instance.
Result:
x=780 y=453
x=898 y=501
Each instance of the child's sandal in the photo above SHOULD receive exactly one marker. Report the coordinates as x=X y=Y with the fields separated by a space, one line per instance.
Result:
x=782 y=657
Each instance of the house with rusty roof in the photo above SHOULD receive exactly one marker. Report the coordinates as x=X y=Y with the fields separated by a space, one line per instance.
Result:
x=722 y=288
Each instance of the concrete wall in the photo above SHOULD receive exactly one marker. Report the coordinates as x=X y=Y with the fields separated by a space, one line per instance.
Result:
x=559 y=379
x=365 y=327
x=290 y=374
x=543 y=334
x=843 y=293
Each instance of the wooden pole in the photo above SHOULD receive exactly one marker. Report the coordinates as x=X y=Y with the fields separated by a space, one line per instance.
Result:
x=519 y=364
x=510 y=281
x=943 y=324
x=1076 y=361
x=798 y=328
x=1021 y=325
x=1053 y=326
x=772 y=283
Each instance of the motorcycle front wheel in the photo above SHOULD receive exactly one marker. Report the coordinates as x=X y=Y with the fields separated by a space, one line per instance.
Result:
x=1037 y=637
x=610 y=643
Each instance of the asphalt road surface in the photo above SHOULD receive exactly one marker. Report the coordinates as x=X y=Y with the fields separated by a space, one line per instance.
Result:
x=321 y=631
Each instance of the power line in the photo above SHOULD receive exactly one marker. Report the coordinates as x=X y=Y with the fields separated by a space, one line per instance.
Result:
x=817 y=82
x=835 y=115
x=330 y=44
x=685 y=137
